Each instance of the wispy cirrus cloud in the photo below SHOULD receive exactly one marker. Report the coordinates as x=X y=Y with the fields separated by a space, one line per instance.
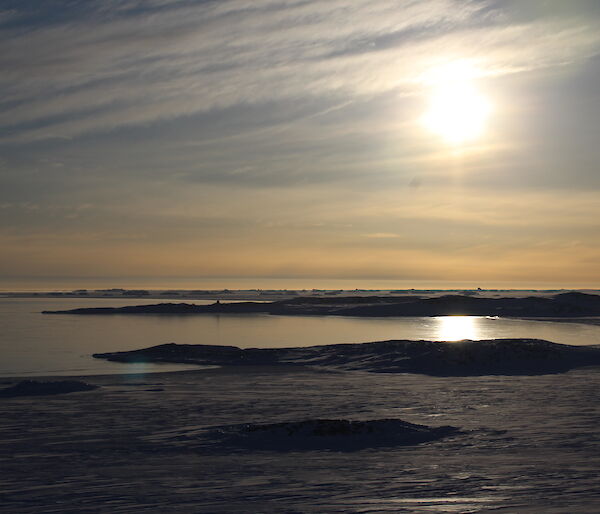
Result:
x=281 y=137
x=124 y=63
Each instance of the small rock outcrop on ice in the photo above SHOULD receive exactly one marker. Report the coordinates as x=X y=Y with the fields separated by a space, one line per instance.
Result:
x=334 y=434
x=462 y=358
x=312 y=434
x=40 y=388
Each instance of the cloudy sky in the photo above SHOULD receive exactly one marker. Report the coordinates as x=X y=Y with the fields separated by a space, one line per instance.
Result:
x=286 y=141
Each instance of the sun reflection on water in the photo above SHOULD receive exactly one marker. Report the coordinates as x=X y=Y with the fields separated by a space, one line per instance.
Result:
x=457 y=328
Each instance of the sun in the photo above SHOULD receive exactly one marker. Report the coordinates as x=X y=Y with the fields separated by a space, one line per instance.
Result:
x=457 y=328
x=458 y=112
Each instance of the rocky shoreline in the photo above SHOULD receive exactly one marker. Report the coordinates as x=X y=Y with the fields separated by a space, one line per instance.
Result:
x=463 y=358
x=563 y=305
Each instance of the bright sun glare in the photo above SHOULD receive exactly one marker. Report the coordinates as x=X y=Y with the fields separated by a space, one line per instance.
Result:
x=457 y=111
x=457 y=328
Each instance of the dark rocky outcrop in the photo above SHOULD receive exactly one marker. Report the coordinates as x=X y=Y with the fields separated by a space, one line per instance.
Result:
x=39 y=388
x=463 y=358
x=172 y=308
x=561 y=305
x=327 y=434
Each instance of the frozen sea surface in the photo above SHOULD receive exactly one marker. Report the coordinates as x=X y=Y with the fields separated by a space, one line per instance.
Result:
x=35 y=344
x=528 y=444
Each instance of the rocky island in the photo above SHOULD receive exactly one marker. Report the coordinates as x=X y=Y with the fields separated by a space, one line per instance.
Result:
x=463 y=358
x=563 y=305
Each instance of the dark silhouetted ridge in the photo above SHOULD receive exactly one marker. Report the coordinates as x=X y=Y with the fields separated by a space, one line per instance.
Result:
x=172 y=308
x=463 y=358
x=562 y=305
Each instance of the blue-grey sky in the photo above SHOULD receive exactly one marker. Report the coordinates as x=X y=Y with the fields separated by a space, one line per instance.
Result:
x=285 y=139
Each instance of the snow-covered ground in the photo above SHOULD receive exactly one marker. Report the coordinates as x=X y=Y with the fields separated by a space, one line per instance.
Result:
x=527 y=444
